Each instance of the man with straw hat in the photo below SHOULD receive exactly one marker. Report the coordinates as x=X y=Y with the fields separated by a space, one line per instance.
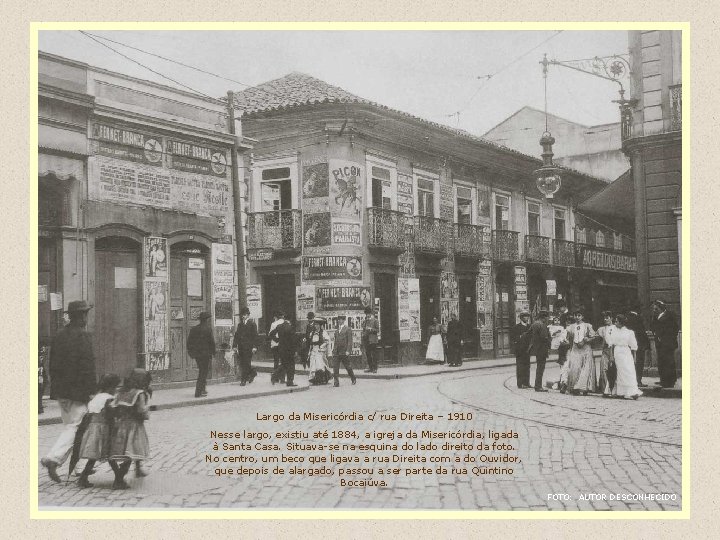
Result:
x=72 y=381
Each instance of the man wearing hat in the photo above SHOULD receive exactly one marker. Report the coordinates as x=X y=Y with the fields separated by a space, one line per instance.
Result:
x=245 y=342
x=665 y=327
x=540 y=346
x=72 y=381
x=201 y=348
x=286 y=350
x=521 y=339
x=342 y=350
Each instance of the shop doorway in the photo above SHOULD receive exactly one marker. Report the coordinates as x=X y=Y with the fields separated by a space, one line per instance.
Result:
x=504 y=317
x=48 y=320
x=118 y=301
x=386 y=290
x=429 y=304
x=468 y=316
x=278 y=295
x=189 y=296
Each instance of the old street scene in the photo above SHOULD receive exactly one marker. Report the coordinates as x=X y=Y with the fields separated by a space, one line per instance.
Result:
x=341 y=274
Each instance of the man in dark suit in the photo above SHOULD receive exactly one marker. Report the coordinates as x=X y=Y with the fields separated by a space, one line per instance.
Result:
x=563 y=316
x=636 y=324
x=454 y=341
x=521 y=340
x=342 y=350
x=370 y=330
x=201 y=348
x=245 y=343
x=286 y=349
x=540 y=346
x=665 y=327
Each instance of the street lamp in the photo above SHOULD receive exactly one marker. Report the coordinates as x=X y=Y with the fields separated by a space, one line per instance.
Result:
x=547 y=177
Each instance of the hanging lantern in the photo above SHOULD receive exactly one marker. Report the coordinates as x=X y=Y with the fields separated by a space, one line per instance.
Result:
x=547 y=177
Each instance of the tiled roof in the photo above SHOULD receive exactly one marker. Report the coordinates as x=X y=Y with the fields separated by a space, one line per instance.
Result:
x=298 y=89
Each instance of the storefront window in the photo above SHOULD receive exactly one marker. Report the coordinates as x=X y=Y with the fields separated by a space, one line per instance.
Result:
x=533 y=218
x=426 y=197
x=502 y=212
x=559 y=224
x=600 y=239
x=464 y=205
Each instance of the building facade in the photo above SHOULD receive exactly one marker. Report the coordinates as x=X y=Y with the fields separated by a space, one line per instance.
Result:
x=352 y=204
x=135 y=215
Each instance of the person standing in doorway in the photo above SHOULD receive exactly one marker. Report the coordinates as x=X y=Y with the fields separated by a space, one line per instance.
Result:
x=245 y=343
x=72 y=381
x=665 y=328
x=521 y=341
x=286 y=349
x=539 y=347
x=637 y=325
x=370 y=329
x=342 y=351
x=454 y=341
x=201 y=348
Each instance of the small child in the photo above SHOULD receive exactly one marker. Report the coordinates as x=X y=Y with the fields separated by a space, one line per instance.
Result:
x=95 y=443
x=129 y=440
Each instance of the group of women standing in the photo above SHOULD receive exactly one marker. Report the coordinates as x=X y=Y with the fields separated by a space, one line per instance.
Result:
x=613 y=374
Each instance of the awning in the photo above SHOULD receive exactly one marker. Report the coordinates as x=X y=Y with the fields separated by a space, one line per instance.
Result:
x=617 y=200
x=61 y=167
x=66 y=140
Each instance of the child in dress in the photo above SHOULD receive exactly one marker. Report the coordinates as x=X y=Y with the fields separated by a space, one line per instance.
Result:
x=129 y=440
x=95 y=443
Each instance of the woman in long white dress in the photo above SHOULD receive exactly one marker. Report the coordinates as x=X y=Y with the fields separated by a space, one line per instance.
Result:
x=435 y=352
x=318 y=372
x=581 y=377
x=606 y=333
x=624 y=347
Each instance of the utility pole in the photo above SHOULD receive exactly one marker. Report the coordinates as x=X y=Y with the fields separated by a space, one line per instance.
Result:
x=237 y=205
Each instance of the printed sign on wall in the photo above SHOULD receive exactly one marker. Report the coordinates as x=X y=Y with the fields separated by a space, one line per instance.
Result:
x=345 y=189
x=254 y=301
x=344 y=233
x=156 y=258
x=332 y=267
x=343 y=298
x=316 y=228
x=304 y=301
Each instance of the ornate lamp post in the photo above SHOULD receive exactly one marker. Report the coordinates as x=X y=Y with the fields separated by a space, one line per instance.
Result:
x=547 y=177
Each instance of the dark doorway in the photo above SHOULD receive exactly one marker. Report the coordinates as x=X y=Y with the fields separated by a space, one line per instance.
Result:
x=189 y=296
x=386 y=290
x=429 y=304
x=49 y=321
x=468 y=316
x=504 y=317
x=118 y=301
x=278 y=294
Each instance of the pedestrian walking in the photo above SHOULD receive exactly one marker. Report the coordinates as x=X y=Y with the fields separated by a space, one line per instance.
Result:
x=520 y=335
x=128 y=440
x=342 y=351
x=665 y=327
x=606 y=360
x=272 y=337
x=370 y=330
x=286 y=350
x=72 y=381
x=581 y=364
x=637 y=325
x=435 y=353
x=539 y=347
x=305 y=346
x=245 y=343
x=319 y=372
x=624 y=347
x=454 y=341
x=94 y=444
x=201 y=348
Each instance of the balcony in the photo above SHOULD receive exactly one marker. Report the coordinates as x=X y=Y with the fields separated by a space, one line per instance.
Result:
x=277 y=231
x=676 y=107
x=563 y=253
x=385 y=230
x=431 y=236
x=472 y=241
x=506 y=246
x=537 y=249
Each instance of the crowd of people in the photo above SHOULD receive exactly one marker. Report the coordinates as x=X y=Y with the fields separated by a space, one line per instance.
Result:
x=617 y=371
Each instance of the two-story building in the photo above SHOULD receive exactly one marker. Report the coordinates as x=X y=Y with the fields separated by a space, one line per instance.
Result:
x=353 y=204
x=136 y=215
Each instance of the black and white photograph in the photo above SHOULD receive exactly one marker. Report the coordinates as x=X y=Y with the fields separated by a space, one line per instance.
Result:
x=474 y=236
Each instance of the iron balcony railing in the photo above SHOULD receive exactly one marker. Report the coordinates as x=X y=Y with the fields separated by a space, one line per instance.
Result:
x=676 y=107
x=431 y=235
x=506 y=245
x=563 y=253
x=385 y=228
x=537 y=249
x=279 y=230
x=472 y=240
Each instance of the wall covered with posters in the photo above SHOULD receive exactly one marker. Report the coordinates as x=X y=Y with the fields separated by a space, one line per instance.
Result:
x=155 y=303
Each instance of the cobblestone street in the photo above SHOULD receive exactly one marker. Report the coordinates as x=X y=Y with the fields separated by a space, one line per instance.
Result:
x=568 y=446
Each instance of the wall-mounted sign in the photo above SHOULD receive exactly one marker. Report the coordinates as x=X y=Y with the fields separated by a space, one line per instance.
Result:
x=345 y=233
x=155 y=258
x=126 y=144
x=261 y=254
x=331 y=267
x=604 y=260
x=551 y=286
x=254 y=301
x=222 y=263
x=343 y=298
x=304 y=301
x=194 y=262
x=195 y=158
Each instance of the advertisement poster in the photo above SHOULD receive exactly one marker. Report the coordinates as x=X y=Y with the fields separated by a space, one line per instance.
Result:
x=316 y=228
x=157 y=361
x=344 y=233
x=155 y=300
x=304 y=301
x=315 y=181
x=190 y=157
x=486 y=338
x=483 y=207
x=223 y=295
x=448 y=285
x=155 y=336
x=343 y=298
x=222 y=263
x=156 y=258
x=345 y=189
x=254 y=301
x=551 y=285
x=331 y=267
